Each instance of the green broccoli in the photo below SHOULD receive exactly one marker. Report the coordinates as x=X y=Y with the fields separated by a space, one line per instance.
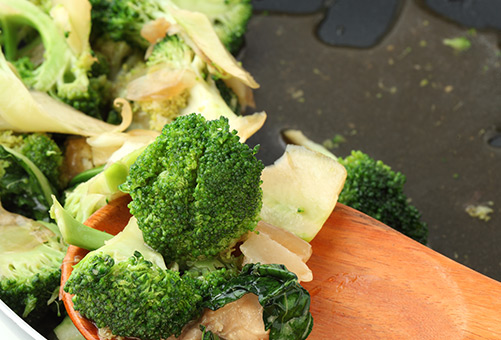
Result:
x=124 y=283
x=375 y=189
x=30 y=172
x=229 y=18
x=196 y=91
x=195 y=190
x=123 y=20
x=31 y=253
x=62 y=71
x=125 y=286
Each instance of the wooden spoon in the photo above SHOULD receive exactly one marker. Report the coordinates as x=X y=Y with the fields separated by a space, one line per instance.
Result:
x=370 y=282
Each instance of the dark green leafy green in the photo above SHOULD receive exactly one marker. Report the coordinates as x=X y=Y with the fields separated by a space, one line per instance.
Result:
x=286 y=304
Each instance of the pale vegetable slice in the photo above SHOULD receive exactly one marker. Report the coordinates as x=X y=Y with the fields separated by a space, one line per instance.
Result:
x=25 y=111
x=160 y=83
x=287 y=239
x=205 y=100
x=73 y=17
x=260 y=248
x=22 y=110
x=201 y=33
x=110 y=147
x=300 y=191
x=298 y=138
x=240 y=319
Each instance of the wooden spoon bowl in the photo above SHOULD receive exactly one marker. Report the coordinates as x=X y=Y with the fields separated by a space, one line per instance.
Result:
x=370 y=282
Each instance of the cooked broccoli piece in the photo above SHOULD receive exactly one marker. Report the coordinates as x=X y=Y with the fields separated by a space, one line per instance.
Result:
x=195 y=190
x=123 y=20
x=30 y=171
x=124 y=283
x=228 y=95
x=126 y=287
x=31 y=253
x=229 y=18
x=375 y=189
x=193 y=90
x=61 y=71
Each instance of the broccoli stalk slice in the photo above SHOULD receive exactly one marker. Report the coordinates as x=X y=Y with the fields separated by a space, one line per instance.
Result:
x=58 y=55
x=87 y=197
x=77 y=233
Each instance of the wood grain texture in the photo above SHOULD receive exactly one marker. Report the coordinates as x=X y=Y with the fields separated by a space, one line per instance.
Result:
x=370 y=282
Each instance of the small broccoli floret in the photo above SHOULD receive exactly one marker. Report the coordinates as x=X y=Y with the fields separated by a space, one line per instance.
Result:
x=229 y=96
x=31 y=254
x=195 y=190
x=44 y=152
x=63 y=71
x=375 y=189
x=30 y=171
x=123 y=20
x=229 y=18
x=126 y=287
x=171 y=51
x=195 y=91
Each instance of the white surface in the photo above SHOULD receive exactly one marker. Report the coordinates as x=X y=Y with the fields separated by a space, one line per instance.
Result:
x=12 y=327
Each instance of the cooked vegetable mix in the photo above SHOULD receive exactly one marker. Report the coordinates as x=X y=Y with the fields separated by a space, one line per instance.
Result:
x=105 y=98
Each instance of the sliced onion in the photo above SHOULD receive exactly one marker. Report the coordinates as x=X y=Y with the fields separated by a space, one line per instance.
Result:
x=161 y=83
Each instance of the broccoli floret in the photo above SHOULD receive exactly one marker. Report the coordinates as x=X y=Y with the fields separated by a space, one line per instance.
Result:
x=375 y=189
x=229 y=18
x=228 y=95
x=171 y=51
x=126 y=287
x=31 y=254
x=123 y=20
x=30 y=171
x=195 y=190
x=197 y=93
x=62 y=72
x=44 y=152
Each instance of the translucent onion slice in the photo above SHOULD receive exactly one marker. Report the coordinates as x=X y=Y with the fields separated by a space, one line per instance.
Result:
x=204 y=40
x=292 y=242
x=155 y=30
x=260 y=248
x=73 y=17
x=110 y=147
x=160 y=83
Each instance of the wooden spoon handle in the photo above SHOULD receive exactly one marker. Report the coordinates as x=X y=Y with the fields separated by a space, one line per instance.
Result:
x=371 y=282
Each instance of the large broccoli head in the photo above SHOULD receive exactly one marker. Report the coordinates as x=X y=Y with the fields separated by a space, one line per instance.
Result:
x=196 y=189
x=133 y=297
x=375 y=189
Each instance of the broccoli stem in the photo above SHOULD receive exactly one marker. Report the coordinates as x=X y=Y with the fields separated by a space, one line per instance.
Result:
x=76 y=233
x=84 y=176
